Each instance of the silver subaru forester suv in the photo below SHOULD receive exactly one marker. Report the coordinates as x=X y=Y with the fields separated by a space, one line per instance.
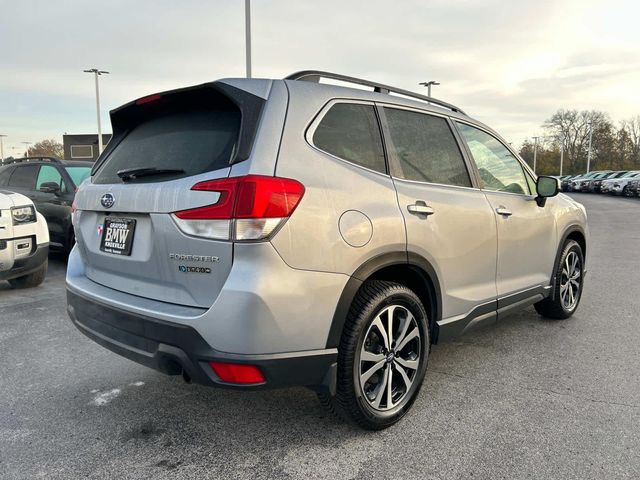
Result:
x=253 y=233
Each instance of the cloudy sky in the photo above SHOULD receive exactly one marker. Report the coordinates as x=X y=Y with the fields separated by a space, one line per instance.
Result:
x=510 y=64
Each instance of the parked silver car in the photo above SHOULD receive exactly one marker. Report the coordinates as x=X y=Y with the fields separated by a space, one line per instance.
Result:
x=255 y=233
x=634 y=188
x=595 y=185
x=620 y=186
x=581 y=183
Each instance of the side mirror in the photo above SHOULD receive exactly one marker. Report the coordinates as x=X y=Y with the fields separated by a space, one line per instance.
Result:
x=50 y=187
x=546 y=187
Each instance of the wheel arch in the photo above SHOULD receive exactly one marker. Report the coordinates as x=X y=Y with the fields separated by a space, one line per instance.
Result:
x=411 y=270
x=572 y=232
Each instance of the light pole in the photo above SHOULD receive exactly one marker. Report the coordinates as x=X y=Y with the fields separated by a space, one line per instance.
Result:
x=247 y=31
x=561 y=153
x=96 y=74
x=535 y=152
x=428 y=85
x=589 y=151
x=26 y=148
x=2 y=149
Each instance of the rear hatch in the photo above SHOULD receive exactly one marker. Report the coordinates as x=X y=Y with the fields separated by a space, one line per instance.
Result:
x=162 y=145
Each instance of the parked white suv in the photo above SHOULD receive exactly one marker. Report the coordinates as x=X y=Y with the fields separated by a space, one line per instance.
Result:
x=24 y=241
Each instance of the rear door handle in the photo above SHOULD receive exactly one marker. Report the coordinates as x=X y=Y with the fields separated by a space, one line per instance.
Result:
x=502 y=210
x=420 y=208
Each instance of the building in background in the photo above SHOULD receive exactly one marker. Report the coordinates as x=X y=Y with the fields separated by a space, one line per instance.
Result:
x=83 y=146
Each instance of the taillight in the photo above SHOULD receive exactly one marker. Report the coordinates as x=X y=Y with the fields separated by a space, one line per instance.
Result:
x=248 y=208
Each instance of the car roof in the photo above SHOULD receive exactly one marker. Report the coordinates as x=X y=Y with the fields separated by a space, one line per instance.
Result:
x=261 y=87
x=76 y=163
x=46 y=161
x=306 y=84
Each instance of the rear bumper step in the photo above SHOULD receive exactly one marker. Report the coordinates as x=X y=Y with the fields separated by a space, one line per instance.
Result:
x=176 y=349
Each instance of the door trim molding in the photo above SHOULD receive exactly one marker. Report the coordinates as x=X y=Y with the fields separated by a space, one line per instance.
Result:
x=490 y=312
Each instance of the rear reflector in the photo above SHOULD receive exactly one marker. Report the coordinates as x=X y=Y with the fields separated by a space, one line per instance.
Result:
x=248 y=208
x=237 y=373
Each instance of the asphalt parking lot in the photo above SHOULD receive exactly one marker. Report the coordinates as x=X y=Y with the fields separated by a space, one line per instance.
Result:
x=527 y=398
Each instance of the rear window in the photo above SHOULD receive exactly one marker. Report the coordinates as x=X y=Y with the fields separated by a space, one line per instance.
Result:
x=193 y=140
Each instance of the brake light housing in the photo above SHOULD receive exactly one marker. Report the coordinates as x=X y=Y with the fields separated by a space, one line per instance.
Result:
x=249 y=208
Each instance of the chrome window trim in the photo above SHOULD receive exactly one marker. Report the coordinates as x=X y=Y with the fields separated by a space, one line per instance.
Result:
x=434 y=184
x=413 y=109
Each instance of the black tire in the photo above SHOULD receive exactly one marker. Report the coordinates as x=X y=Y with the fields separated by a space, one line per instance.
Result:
x=33 y=279
x=373 y=303
x=557 y=306
x=626 y=192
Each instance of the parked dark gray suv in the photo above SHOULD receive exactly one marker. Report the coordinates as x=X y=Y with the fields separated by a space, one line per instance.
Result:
x=51 y=185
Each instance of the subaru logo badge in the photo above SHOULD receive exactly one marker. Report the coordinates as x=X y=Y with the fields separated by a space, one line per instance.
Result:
x=107 y=200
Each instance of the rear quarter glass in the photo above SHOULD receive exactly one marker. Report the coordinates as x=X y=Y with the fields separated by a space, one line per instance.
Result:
x=195 y=138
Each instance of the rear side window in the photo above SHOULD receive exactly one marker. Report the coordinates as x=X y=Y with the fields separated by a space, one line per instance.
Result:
x=195 y=141
x=24 y=177
x=351 y=132
x=425 y=148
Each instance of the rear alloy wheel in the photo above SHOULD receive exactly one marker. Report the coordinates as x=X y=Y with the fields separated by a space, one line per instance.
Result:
x=389 y=366
x=568 y=286
x=626 y=192
x=382 y=357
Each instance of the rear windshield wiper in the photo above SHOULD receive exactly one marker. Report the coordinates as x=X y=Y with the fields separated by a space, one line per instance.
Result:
x=129 y=173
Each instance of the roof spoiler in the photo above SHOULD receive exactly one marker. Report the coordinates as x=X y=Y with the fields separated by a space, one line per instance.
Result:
x=125 y=117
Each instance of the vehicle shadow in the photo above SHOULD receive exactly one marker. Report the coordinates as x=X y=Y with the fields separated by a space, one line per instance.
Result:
x=158 y=424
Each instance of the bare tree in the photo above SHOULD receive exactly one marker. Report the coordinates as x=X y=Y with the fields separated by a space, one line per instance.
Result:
x=574 y=126
x=632 y=128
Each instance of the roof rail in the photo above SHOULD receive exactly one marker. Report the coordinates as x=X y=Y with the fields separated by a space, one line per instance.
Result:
x=31 y=159
x=316 y=75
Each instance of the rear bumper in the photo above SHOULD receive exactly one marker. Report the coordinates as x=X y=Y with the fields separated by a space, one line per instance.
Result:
x=177 y=349
x=25 y=265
